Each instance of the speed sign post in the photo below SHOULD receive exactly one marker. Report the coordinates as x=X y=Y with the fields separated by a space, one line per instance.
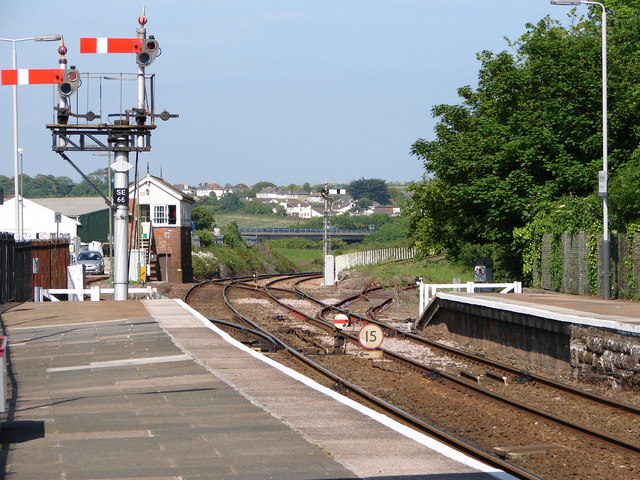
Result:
x=371 y=336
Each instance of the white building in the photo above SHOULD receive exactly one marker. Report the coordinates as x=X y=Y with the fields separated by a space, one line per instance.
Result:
x=207 y=189
x=38 y=222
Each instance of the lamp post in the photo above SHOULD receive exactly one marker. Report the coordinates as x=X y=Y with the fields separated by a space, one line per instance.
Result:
x=21 y=199
x=603 y=175
x=16 y=182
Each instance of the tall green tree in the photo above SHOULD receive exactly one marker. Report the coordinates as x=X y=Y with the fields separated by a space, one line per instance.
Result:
x=99 y=177
x=528 y=134
x=46 y=186
x=623 y=7
x=6 y=184
x=374 y=189
x=229 y=203
x=203 y=218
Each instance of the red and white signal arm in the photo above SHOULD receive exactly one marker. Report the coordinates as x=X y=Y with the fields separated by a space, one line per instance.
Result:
x=110 y=45
x=31 y=76
x=371 y=336
x=341 y=321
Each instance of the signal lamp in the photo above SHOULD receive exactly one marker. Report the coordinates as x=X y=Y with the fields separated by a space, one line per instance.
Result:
x=70 y=82
x=148 y=53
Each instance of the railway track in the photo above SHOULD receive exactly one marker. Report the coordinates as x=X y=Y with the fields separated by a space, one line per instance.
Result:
x=494 y=370
x=500 y=377
x=528 y=451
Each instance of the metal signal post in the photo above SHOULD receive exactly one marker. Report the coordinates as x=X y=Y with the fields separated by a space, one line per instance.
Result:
x=130 y=133
x=325 y=220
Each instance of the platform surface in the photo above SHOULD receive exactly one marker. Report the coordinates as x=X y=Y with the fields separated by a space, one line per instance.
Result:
x=148 y=390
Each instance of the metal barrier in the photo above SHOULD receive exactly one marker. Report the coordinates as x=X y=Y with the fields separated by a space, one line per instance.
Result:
x=94 y=293
x=3 y=375
x=428 y=290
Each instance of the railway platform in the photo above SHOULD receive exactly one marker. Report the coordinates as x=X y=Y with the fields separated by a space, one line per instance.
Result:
x=151 y=390
x=556 y=331
x=622 y=315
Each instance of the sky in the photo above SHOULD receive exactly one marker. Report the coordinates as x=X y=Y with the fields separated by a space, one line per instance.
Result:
x=284 y=91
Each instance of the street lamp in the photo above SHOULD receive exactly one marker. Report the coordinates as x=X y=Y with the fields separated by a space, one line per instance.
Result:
x=603 y=175
x=16 y=185
x=21 y=153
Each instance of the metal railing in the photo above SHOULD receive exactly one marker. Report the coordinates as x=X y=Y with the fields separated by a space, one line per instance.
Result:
x=429 y=290
x=3 y=375
x=94 y=293
x=299 y=230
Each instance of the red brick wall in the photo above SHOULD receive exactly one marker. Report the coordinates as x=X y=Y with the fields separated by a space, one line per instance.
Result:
x=178 y=246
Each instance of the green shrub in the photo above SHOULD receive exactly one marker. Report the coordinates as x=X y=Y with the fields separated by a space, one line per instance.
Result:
x=294 y=242
x=206 y=237
x=205 y=264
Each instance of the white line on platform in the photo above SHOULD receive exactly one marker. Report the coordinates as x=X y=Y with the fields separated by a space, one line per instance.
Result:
x=124 y=363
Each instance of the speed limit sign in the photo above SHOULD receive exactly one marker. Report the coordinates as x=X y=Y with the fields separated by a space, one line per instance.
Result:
x=371 y=336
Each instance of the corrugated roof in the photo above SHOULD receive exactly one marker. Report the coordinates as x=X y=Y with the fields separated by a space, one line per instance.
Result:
x=72 y=206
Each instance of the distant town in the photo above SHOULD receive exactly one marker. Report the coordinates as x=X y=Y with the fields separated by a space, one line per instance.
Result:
x=359 y=197
x=297 y=203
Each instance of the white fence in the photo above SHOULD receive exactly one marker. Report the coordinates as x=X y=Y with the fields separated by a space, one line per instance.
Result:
x=93 y=293
x=345 y=262
x=428 y=290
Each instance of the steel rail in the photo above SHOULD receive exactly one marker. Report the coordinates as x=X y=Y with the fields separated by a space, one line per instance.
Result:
x=603 y=436
x=403 y=416
x=412 y=364
x=481 y=360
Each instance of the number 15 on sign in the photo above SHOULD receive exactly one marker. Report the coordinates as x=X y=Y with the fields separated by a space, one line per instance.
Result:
x=371 y=336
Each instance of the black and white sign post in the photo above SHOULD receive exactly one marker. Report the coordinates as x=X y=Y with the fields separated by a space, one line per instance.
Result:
x=57 y=217
x=340 y=322
x=121 y=168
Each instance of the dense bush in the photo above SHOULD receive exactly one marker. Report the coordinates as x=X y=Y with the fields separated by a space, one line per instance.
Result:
x=205 y=265
x=235 y=257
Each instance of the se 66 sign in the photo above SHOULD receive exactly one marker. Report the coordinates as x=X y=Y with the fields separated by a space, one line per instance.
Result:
x=121 y=196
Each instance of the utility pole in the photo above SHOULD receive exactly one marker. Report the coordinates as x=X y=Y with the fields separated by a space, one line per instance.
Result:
x=121 y=167
x=325 y=224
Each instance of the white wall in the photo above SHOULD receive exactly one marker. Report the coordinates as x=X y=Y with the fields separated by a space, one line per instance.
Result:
x=158 y=196
x=36 y=220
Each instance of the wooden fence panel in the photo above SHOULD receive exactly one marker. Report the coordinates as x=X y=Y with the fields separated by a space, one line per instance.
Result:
x=25 y=265
x=6 y=267
x=53 y=259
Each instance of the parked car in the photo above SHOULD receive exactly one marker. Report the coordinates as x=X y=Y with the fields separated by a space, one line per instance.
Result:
x=92 y=260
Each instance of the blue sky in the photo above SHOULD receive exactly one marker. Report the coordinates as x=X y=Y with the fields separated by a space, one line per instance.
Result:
x=287 y=91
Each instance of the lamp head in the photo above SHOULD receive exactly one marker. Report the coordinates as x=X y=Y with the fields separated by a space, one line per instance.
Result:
x=47 y=38
x=566 y=2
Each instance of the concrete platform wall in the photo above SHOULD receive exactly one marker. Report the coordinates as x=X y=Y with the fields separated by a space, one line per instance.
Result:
x=540 y=341
x=598 y=352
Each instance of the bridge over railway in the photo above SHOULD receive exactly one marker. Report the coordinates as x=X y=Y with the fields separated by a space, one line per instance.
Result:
x=257 y=234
